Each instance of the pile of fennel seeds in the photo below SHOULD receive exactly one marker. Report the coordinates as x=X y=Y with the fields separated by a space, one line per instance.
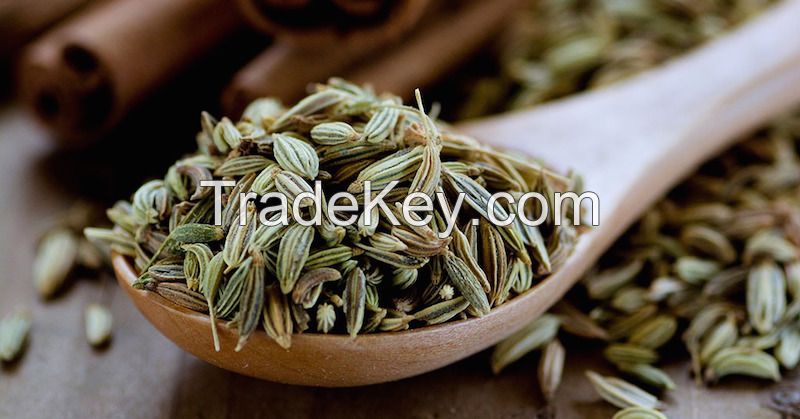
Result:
x=556 y=48
x=327 y=278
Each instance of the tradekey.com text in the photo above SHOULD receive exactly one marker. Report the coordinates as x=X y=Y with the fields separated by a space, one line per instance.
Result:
x=343 y=209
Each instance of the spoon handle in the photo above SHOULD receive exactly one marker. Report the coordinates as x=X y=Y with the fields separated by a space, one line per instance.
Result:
x=731 y=85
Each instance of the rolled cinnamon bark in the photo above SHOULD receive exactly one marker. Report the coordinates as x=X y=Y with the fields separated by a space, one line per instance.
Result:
x=297 y=59
x=435 y=51
x=449 y=37
x=284 y=71
x=320 y=22
x=82 y=77
x=21 y=20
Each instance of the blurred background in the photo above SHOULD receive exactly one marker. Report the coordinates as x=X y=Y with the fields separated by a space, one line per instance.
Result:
x=99 y=95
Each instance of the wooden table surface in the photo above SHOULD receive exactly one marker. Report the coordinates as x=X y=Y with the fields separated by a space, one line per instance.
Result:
x=143 y=375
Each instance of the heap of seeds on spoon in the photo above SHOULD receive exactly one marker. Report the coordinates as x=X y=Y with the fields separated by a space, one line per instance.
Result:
x=327 y=278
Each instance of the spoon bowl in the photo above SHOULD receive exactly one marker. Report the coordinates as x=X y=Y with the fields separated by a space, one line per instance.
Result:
x=631 y=141
x=337 y=360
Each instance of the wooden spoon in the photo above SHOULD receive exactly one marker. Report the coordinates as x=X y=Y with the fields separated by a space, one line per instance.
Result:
x=632 y=142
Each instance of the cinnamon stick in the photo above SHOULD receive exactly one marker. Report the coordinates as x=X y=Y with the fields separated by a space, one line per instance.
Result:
x=82 y=77
x=437 y=50
x=321 y=22
x=284 y=71
x=21 y=20
x=448 y=38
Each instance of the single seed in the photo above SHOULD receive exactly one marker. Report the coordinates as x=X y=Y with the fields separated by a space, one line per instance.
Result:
x=98 y=320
